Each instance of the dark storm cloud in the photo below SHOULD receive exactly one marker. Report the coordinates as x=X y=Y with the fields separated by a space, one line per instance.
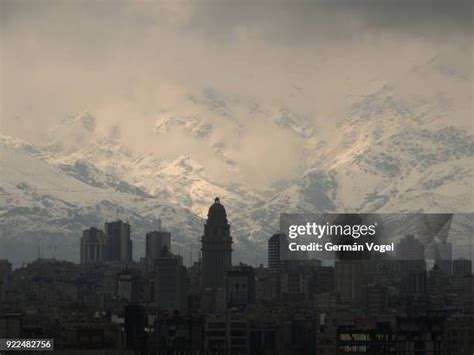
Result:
x=336 y=19
x=423 y=16
x=280 y=20
x=400 y=13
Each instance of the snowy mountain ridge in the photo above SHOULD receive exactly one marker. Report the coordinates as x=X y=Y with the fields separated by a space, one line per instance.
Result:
x=400 y=149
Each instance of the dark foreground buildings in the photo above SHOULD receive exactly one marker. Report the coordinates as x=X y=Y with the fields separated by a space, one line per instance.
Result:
x=110 y=304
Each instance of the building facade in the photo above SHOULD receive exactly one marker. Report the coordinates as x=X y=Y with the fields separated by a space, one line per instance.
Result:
x=119 y=244
x=275 y=244
x=170 y=283
x=157 y=244
x=93 y=246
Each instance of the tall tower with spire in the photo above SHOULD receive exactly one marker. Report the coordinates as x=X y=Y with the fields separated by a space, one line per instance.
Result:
x=216 y=248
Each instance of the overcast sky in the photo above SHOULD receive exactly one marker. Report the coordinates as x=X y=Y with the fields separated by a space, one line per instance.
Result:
x=131 y=61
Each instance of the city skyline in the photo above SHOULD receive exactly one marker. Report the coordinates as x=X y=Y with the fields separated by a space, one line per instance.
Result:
x=157 y=305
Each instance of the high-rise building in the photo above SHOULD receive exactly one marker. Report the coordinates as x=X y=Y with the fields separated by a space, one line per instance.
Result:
x=118 y=244
x=411 y=259
x=275 y=244
x=170 y=283
x=216 y=248
x=93 y=246
x=157 y=244
x=410 y=248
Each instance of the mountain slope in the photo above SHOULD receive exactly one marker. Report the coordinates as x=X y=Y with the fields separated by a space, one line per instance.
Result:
x=45 y=202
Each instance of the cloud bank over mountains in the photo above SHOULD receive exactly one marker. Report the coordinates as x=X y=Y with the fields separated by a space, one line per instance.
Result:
x=134 y=64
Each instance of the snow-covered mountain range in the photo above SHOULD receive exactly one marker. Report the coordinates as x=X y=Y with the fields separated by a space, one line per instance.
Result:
x=393 y=152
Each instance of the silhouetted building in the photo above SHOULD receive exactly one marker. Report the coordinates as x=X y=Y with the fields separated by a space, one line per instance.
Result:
x=266 y=285
x=216 y=248
x=213 y=300
x=349 y=280
x=156 y=242
x=410 y=248
x=375 y=299
x=294 y=282
x=170 y=283
x=275 y=244
x=241 y=286
x=438 y=281
x=128 y=285
x=303 y=334
x=135 y=323
x=119 y=244
x=5 y=271
x=417 y=283
x=93 y=246
x=324 y=279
